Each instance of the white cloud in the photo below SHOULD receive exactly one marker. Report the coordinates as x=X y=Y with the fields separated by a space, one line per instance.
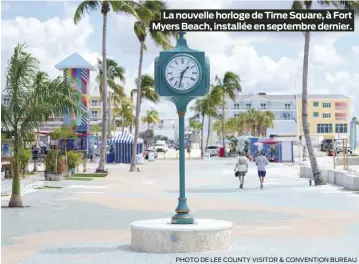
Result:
x=261 y=68
x=49 y=41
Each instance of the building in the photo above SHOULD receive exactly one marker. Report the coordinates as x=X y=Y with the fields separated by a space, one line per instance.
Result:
x=328 y=116
x=282 y=106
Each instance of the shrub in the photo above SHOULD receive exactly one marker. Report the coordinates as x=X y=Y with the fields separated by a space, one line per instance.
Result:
x=50 y=162
x=24 y=159
x=73 y=158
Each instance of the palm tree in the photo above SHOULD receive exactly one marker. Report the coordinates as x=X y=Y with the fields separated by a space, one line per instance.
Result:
x=229 y=86
x=264 y=120
x=126 y=7
x=149 y=10
x=196 y=126
x=307 y=5
x=147 y=90
x=114 y=71
x=151 y=117
x=31 y=103
x=207 y=106
x=125 y=113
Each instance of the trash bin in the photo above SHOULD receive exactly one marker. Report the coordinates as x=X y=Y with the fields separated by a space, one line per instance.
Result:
x=220 y=152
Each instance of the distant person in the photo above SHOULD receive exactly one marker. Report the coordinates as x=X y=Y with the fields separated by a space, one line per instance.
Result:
x=261 y=162
x=241 y=168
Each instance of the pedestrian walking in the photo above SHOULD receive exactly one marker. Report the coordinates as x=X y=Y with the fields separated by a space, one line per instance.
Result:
x=261 y=162
x=241 y=168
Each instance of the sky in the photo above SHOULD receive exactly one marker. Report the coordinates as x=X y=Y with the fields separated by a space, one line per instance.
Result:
x=265 y=61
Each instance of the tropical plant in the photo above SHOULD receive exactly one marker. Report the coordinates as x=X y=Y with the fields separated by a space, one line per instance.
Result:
x=50 y=162
x=148 y=10
x=196 y=126
x=24 y=114
x=24 y=159
x=125 y=7
x=207 y=106
x=229 y=86
x=73 y=158
x=125 y=113
x=151 y=117
x=307 y=5
x=95 y=129
x=114 y=71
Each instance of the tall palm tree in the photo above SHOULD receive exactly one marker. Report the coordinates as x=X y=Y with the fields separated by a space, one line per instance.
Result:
x=307 y=5
x=207 y=106
x=24 y=113
x=149 y=10
x=147 y=90
x=114 y=71
x=196 y=126
x=125 y=7
x=125 y=113
x=229 y=85
x=151 y=117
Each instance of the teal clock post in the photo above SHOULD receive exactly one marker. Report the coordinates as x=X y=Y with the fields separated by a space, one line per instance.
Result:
x=181 y=75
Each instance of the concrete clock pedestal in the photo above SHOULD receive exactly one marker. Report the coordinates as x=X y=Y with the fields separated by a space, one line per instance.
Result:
x=160 y=236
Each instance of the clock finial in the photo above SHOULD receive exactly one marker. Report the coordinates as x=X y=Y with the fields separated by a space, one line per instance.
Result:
x=181 y=41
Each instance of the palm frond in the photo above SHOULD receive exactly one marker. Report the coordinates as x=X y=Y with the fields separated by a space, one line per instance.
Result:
x=85 y=7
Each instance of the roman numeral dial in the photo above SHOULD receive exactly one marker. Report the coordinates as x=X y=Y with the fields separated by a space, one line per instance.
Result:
x=182 y=72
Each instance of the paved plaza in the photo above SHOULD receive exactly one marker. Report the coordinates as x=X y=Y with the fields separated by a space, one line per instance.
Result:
x=89 y=221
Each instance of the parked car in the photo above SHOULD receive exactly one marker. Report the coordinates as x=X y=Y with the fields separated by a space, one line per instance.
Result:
x=340 y=149
x=145 y=153
x=161 y=147
x=212 y=150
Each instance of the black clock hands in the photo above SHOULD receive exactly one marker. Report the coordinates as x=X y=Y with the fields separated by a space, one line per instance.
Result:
x=181 y=76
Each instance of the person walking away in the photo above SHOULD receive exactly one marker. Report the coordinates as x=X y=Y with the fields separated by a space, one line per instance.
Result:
x=241 y=168
x=261 y=162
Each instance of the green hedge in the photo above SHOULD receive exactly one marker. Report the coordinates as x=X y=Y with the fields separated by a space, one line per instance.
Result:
x=91 y=175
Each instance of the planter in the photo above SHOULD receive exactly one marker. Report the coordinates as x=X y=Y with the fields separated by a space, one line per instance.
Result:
x=56 y=177
x=73 y=171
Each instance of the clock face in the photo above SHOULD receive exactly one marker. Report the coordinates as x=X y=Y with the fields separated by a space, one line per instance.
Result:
x=182 y=72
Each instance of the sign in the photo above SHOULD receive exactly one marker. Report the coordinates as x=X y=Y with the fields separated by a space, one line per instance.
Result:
x=151 y=156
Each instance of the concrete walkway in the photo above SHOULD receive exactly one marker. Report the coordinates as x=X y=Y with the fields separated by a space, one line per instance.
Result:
x=88 y=221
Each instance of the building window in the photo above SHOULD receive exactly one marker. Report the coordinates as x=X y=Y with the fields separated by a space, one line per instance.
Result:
x=315 y=114
x=315 y=104
x=236 y=105
x=341 y=128
x=263 y=106
x=236 y=115
x=324 y=128
x=94 y=113
x=287 y=106
x=327 y=105
x=248 y=106
x=327 y=115
x=94 y=102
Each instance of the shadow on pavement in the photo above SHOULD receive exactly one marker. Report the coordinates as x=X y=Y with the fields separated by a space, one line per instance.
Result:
x=86 y=249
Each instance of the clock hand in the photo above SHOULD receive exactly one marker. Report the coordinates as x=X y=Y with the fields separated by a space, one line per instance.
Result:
x=181 y=76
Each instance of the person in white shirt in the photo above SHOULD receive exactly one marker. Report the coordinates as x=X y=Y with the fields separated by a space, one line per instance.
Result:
x=261 y=162
x=241 y=168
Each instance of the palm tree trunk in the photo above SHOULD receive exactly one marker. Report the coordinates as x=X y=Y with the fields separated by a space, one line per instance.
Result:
x=224 y=145
x=148 y=134
x=318 y=179
x=101 y=165
x=208 y=131
x=202 y=150
x=109 y=116
x=138 y=108
x=123 y=128
x=15 y=200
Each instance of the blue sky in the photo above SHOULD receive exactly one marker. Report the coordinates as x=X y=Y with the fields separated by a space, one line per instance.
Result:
x=267 y=62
